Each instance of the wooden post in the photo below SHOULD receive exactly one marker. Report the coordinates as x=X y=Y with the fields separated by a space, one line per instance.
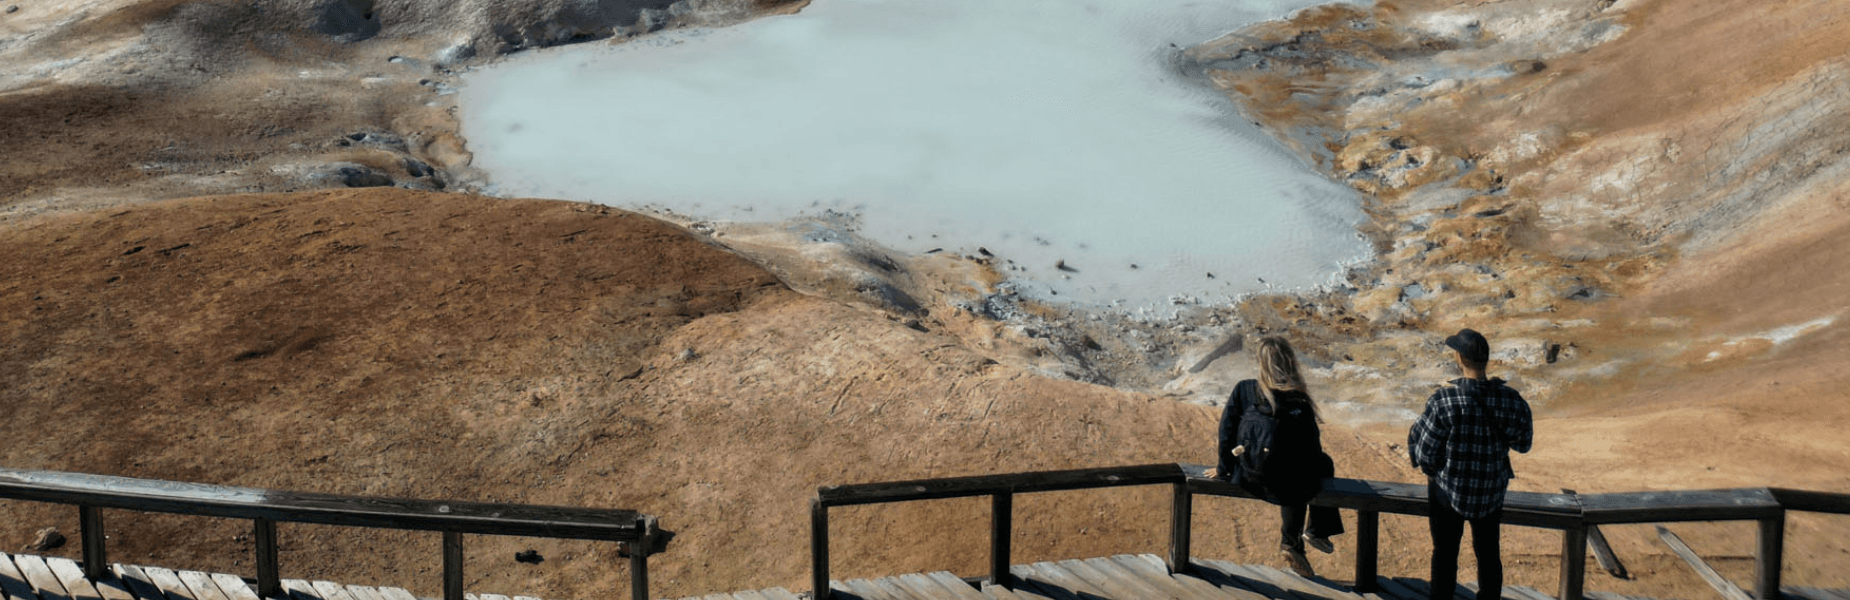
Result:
x=819 y=549
x=1573 y=562
x=96 y=555
x=639 y=560
x=452 y=566
x=1367 y=550
x=1771 y=557
x=1001 y=534
x=269 y=577
x=1181 y=520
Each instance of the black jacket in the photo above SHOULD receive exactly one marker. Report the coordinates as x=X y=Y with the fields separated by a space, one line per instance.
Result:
x=1299 y=465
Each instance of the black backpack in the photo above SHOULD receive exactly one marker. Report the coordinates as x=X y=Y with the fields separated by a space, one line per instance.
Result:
x=1277 y=445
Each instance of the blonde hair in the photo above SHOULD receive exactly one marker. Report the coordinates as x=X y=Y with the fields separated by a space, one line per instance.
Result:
x=1278 y=371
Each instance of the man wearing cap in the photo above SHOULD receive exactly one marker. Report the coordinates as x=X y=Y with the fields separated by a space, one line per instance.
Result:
x=1462 y=443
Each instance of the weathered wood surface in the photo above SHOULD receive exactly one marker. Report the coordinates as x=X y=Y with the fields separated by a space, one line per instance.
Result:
x=303 y=507
x=1602 y=551
x=1809 y=501
x=984 y=485
x=1721 y=584
x=1696 y=505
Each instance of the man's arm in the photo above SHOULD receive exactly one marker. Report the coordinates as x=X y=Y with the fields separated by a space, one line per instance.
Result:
x=1521 y=432
x=1426 y=440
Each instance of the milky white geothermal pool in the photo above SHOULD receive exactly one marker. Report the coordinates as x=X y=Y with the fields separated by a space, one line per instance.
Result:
x=1047 y=131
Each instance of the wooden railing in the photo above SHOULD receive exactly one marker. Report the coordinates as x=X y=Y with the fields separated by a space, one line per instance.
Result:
x=638 y=533
x=1570 y=514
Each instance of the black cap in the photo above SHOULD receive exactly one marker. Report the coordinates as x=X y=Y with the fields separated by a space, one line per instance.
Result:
x=1471 y=345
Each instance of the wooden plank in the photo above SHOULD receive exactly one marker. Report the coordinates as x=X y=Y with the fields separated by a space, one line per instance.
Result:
x=109 y=587
x=841 y=591
x=1721 y=584
x=1264 y=580
x=985 y=485
x=925 y=586
x=740 y=595
x=170 y=583
x=395 y=593
x=1528 y=593
x=1128 y=569
x=72 y=576
x=1319 y=587
x=1116 y=583
x=706 y=597
x=1221 y=574
x=138 y=582
x=300 y=590
x=1033 y=579
x=995 y=592
x=1389 y=585
x=866 y=590
x=12 y=582
x=1157 y=573
x=202 y=585
x=234 y=587
x=495 y=597
x=362 y=592
x=915 y=585
x=892 y=586
x=1385 y=590
x=889 y=590
x=778 y=593
x=1507 y=593
x=957 y=585
x=43 y=581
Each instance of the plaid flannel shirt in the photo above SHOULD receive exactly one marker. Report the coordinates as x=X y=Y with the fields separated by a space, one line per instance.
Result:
x=1455 y=444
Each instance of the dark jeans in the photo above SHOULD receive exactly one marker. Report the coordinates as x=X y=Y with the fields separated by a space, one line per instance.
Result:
x=1325 y=521
x=1448 y=530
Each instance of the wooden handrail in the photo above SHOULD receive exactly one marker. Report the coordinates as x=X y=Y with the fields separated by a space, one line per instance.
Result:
x=640 y=533
x=1808 y=501
x=1569 y=513
x=988 y=485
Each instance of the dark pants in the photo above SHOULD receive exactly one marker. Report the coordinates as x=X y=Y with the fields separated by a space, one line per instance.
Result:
x=1325 y=521
x=1448 y=530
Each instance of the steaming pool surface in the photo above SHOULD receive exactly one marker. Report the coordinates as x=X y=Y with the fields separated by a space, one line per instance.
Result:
x=1048 y=132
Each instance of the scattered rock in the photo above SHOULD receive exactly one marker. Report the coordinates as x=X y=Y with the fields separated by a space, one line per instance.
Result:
x=455 y=53
x=1061 y=265
x=356 y=176
x=46 y=539
x=12 y=9
x=687 y=354
x=417 y=168
x=531 y=557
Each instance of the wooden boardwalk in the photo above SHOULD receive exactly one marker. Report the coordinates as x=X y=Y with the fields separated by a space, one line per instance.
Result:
x=26 y=577
x=1123 y=577
x=1145 y=576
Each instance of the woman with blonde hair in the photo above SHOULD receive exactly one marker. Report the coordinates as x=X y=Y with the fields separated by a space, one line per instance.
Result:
x=1271 y=446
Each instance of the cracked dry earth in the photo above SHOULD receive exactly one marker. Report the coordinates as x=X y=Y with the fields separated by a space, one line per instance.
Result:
x=1642 y=202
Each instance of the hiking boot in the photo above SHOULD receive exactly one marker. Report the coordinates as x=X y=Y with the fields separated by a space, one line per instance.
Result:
x=1299 y=563
x=1322 y=544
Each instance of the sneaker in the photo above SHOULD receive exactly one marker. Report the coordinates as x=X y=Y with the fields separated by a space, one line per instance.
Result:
x=1322 y=544
x=1299 y=563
